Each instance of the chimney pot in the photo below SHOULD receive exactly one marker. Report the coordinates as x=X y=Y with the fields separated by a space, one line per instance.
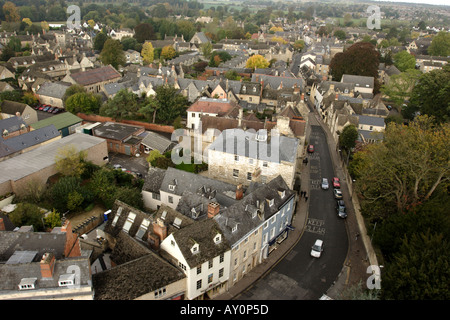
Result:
x=213 y=209
x=239 y=192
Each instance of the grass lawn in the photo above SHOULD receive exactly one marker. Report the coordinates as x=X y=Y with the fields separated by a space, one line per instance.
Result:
x=186 y=167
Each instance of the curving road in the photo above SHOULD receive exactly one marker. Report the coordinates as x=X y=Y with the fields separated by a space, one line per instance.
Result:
x=299 y=276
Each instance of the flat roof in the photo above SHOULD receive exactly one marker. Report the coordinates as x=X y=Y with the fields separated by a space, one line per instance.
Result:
x=42 y=157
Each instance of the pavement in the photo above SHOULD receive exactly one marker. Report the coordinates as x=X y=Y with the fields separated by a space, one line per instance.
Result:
x=356 y=262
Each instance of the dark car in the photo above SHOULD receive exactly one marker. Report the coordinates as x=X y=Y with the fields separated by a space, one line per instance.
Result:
x=56 y=110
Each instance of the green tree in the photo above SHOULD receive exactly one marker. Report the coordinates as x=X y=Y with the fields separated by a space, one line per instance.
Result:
x=113 y=54
x=348 y=137
x=218 y=57
x=15 y=44
x=73 y=89
x=69 y=161
x=123 y=105
x=168 y=104
x=74 y=200
x=27 y=214
x=83 y=102
x=129 y=43
x=99 y=41
x=143 y=32
x=431 y=95
x=153 y=155
x=299 y=45
x=420 y=270
x=400 y=86
x=206 y=49
x=404 y=61
x=340 y=34
x=60 y=191
x=440 y=45
x=53 y=219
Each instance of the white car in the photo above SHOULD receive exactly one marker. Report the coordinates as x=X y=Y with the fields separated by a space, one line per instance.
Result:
x=317 y=248
x=337 y=193
x=325 y=185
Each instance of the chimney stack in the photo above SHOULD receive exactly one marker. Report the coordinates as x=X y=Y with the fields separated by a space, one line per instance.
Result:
x=160 y=229
x=239 y=192
x=72 y=247
x=213 y=209
x=47 y=265
x=303 y=97
x=241 y=115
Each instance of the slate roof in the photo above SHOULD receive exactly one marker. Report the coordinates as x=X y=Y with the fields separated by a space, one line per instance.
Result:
x=133 y=279
x=372 y=121
x=11 y=124
x=275 y=82
x=156 y=141
x=11 y=107
x=26 y=140
x=97 y=75
x=286 y=150
x=202 y=233
x=155 y=177
x=359 y=81
x=241 y=213
x=53 y=89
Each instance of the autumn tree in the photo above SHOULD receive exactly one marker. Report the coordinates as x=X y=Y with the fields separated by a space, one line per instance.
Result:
x=406 y=168
x=257 y=61
x=11 y=12
x=147 y=52
x=360 y=59
x=168 y=52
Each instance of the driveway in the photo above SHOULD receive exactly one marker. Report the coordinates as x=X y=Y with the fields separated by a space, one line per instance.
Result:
x=133 y=164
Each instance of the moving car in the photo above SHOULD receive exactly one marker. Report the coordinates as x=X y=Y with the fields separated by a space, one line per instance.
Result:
x=317 y=248
x=336 y=183
x=325 y=185
x=310 y=148
x=337 y=193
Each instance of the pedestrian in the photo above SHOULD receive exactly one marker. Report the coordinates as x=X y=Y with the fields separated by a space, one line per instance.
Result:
x=305 y=195
x=306 y=198
x=301 y=194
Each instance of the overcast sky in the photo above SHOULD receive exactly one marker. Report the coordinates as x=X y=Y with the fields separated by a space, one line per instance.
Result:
x=442 y=2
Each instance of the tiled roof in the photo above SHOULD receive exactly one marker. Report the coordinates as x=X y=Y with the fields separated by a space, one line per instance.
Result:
x=215 y=106
x=96 y=75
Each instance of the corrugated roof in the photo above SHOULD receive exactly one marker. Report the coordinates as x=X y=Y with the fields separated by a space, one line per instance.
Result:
x=60 y=121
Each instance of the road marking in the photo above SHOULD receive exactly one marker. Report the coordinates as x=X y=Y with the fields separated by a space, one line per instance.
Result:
x=315 y=226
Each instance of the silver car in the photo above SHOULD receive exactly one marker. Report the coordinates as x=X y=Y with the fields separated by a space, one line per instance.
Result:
x=325 y=185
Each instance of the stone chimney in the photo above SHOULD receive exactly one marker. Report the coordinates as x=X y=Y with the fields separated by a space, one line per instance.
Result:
x=2 y=225
x=239 y=192
x=47 y=265
x=303 y=97
x=241 y=115
x=213 y=209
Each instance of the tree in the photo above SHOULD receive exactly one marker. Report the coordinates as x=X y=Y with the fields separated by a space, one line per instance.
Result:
x=400 y=86
x=60 y=191
x=299 y=45
x=69 y=161
x=348 y=137
x=7 y=54
x=53 y=219
x=113 y=54
x=143 y=32
x=257 y=61
x=440 y=45
x=206 y=49
x=340 y=34
x=420 y=270
x=431 y=95
x=73 y=89
x=15 y=44
x=218 y=57
x=129 y=43
x=168 y=52
x=11 y=12
x=404 y=61
x=405 y=169
x=360 y=59
x=123 y=105
x=166 y=105
x=27 y=214
x=153 y=155
x=27 y=21
x=84 y=102
x=147 y=52
x=99 y=40
x=45 y=26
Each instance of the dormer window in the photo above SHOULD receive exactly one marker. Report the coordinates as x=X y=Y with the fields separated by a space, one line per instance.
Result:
x=234 y=229
x=171 y=187
x=129 y=222
x=218 y=238
x=195 y=249
x=254 y=89
x=66 y=280
x=270 y=201
x=116 y=218
x=27 y=284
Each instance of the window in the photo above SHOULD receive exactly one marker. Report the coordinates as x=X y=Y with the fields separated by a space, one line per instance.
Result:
x=235 y=262
x=221 y=258
x=210 y=278
x=236 y=158
x=272 y=233
x=245 y=254
x=160 y=293
x=199 y=284
x=193 y=115
x=195 y=249
x=218 y=239
x=266 y=224
x=249 y=176
x=234 y=228
x=265 y=164
x=210 y=264
x=221 y=273
x=199 y=269
x=182 y=266
x=170 y=199
x=235 y=173
x=129 y=222
x=156 y=196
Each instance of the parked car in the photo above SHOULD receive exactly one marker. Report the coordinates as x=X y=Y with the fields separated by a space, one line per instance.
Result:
x=317 y=248
x=336 y=183
x=56 y=110
x=341 y=209
x=337 y=193
x=117 y=166
x=50 y=110
x=45 y=109
x=42 y=107
x=310 y=148
x=325 y=185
